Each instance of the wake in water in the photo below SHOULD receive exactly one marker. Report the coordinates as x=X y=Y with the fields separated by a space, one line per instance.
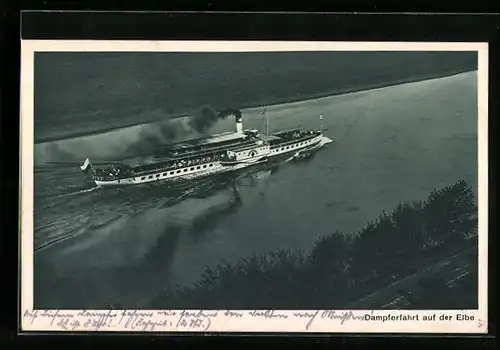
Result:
x=81 y=213
x=95 y=207
x=79 y=192
x=70 y=214
x=130 y=242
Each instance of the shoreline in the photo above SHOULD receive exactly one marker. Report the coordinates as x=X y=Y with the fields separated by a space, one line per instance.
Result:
x=341 y=271
x=274 y=102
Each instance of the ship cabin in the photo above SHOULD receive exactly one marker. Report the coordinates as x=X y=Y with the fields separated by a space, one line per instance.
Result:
x=199 y=161
x=293 y=135
x=258 y=148
x=203 y=145
x=197 y=153
x=111 y=172
x=292 y=140
x=252 y=132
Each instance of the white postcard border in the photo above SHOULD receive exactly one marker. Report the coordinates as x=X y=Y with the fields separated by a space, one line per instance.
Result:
x=331 y=321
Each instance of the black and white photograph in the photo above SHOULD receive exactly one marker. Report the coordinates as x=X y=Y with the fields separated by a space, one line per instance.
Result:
x=331 y=179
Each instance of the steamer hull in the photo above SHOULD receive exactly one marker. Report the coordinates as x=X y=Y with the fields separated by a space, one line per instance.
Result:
x=218 y=154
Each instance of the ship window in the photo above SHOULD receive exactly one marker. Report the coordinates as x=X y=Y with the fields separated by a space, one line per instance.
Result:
x=178 y=171
x=142 y=178
x=150 y=176
x=191 y=168
x=157 y=175
x=185 y=170
x=171 y=173
x=210 y=164
x=164 y=174
x=198 y=167
x=282 y=148
x=205 y=166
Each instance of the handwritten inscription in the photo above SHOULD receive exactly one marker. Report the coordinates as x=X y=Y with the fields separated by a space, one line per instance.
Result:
x=203 y=320
x=267 y=314
x=129 y=320
x=342 y=316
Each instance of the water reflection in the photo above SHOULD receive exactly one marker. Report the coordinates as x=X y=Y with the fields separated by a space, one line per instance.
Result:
x=208 y=220
x=133 y=240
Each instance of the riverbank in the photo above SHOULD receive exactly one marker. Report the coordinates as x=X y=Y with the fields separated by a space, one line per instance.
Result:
x=79 y=94
x=262 y=102
x=342 y=268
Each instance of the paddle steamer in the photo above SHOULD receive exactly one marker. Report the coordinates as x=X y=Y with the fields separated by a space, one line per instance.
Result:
x=209 y=155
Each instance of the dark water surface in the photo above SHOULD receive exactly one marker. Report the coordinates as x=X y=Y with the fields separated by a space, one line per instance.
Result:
x=97 y=247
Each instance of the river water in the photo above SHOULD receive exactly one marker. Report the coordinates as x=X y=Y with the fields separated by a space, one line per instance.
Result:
x=99 y=247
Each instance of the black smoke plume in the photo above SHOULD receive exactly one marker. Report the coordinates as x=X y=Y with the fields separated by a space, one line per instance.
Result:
x=207 y=117
x=231 y=111
x=153 y=137
x=160 y=134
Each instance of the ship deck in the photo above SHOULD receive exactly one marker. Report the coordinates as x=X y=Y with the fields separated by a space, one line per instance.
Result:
x=207 y=141
x=203 y=150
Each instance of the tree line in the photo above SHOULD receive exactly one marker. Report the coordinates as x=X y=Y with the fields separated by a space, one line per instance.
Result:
x=339 y=268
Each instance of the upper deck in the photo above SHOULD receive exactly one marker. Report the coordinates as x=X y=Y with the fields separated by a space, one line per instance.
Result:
x=291 y=136
x=202 y=150
x=207 y=141
x=196 y=147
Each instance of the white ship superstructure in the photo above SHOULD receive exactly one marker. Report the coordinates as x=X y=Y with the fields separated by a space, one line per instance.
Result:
x=209 y=155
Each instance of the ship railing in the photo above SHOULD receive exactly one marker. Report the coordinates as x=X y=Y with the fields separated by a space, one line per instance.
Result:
x=195 y=148
x=296 y=134
x=208 y=150
x=287 y=141
x=112 y=172
x=250 y=146
x=182 y=163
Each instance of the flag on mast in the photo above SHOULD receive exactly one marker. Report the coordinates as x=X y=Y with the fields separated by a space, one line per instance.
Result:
x=86 y=166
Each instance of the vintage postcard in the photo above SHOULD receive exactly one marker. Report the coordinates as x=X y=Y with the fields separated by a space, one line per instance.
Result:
x=210 y=186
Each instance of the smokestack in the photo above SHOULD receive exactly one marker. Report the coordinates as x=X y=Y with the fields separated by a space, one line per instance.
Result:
x=237 y=116
x=239 y=124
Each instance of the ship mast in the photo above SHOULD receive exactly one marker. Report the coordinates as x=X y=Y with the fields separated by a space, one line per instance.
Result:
x=266 y=120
